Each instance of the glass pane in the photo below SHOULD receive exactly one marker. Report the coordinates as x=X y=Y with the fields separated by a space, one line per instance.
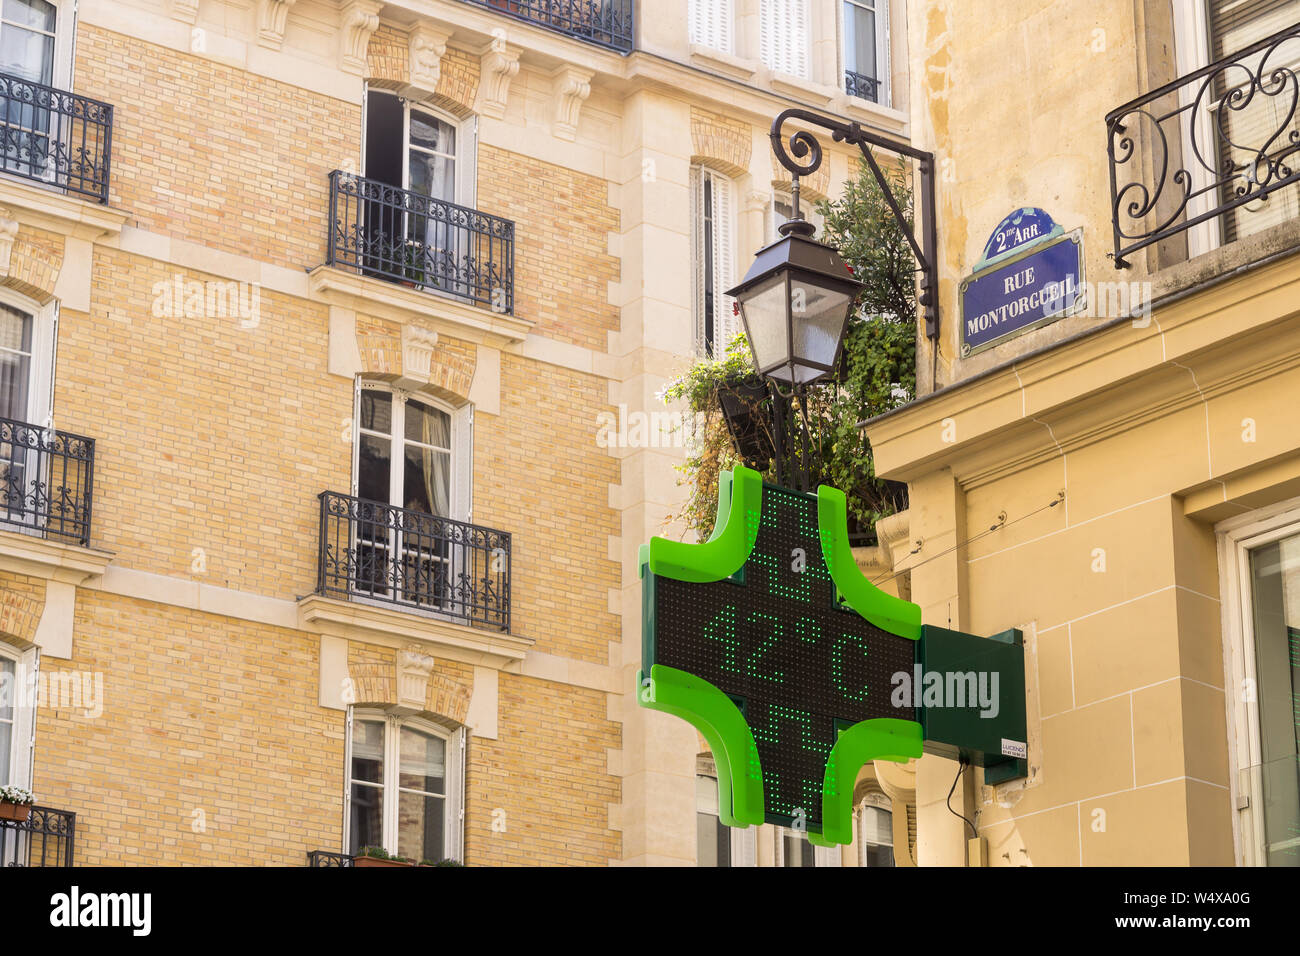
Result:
x=428 y=425
x=368 y=750
x=373 y=474
x=878 y=856
x=15 y=362
x=420 y=827
x=433 y=176
x=429 y=132
x=377 y=412
x=27 y=54
x=1275 y=570
x=424 y=762
x=859 y=40
x=367 y=824
x=30 y=13
x=427 y=481
x=8 y=692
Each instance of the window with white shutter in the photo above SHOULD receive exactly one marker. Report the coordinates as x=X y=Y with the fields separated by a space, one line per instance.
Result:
x=713 y=231
x=783 y=36
x=711 y=24
x=1235 y=25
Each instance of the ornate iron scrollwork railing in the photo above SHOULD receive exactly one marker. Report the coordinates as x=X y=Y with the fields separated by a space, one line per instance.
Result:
x=55 y=137
x=1174 y=159
x=324 y=858
x=407 y=237
x=45 y=838
x=607 y=23
x=46 y=480
x=864 y=87
x=380 y=552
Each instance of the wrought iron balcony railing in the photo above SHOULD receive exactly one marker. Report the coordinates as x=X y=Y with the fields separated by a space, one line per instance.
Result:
x=46 y=479
x=55 y=137
x=404 y=236
x=607 y=23
x=1204 y=145
x=45 y=838
x=380 y=552
x=325 y=858
x=863 y=87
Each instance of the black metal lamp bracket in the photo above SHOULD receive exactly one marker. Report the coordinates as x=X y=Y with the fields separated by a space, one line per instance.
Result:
x=804 y=146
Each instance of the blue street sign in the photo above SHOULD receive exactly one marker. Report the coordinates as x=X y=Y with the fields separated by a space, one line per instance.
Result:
x=1039 y=284
x=1024 y=227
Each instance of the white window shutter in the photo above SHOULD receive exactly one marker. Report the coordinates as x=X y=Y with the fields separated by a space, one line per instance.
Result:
x=725 y=322
x=462 y=463
x=783 y=36
x=711 y=24
x=882 y=53
x=456 y=845
x=697 y=253
x=826 y=856
x=744 y=847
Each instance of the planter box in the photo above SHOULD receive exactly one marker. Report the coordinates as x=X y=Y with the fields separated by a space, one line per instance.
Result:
x=375 y=861
x=18 y=812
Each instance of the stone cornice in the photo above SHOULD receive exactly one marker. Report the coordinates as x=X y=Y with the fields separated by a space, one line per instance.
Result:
x=387 y=300
x=57 y=212
x=1099 y=384
x=403 y=629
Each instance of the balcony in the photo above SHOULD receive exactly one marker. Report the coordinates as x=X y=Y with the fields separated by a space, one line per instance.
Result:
x=1210 y=154
x=415 y=240
x=606 y=23
x=51 y=136
x=863 y=87
x=46 y=477
x=45 y=838
x=374 y=552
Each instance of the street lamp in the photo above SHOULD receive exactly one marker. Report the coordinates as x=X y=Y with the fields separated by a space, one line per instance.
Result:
x=795 y=303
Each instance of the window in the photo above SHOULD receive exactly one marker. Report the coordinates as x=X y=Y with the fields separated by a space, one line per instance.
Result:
x=712 y=258
x=783 y=36
x=875 y=831
x=17 y=716
x=27 y=334
x=711 y=24
x=716 y=843
x=32 y=49
x=427 y=154
x=404 y=787
x=415 y=454
x=866 y=49
x=1262 y=617
x=793 y=849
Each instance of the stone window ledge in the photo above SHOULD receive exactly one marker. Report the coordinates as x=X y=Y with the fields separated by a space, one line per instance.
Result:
x=50 y=559
x=59 y=212
x=397 y=303
x=353 y=620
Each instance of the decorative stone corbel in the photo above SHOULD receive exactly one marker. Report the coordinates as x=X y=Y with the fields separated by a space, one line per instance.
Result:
x=417 y=352
x=8 y=231
x=497 y=67
x=570 y=86
x=186 y=11
x=427 y=45
x=413 y=670
x=271 y=17
x=359 y=20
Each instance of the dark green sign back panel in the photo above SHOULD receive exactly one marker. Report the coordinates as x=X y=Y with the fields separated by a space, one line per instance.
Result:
x=775 y=639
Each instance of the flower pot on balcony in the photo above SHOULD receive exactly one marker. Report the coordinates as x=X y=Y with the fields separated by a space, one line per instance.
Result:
x=18 y=812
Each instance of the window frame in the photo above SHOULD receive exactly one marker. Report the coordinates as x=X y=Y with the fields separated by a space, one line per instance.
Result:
x=460 y=453
x=65 y=29
x=40 y=384
x=453 y=799
x=872 y=801
x=707 y=269
x=465 y=159
x=742 y=842
x=1237 y=537
x=22 y=742
x=884 y=61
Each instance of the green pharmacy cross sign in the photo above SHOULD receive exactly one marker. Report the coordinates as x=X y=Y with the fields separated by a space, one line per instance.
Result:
x=797 y=670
